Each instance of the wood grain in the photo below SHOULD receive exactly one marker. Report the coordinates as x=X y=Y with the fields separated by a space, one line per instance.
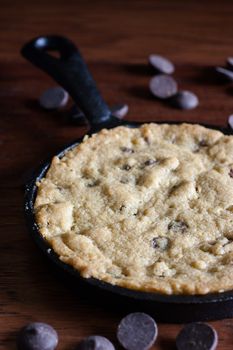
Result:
x=115 y=37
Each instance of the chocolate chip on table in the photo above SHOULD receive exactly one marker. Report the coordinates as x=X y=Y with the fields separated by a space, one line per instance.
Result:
x=230 y=121
x=161 y=64
x=163 y=86
x=177 y=226
x=37 y=336
x=120 y=110
x=95 y=342
x=185 y=100
x=225 y=73
x=230 y=62
x=231 y=173
x=137 y=331
x=53 y=98
x=197 y=336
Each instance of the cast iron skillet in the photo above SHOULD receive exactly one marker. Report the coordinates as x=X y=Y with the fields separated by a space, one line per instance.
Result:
x=71 y=72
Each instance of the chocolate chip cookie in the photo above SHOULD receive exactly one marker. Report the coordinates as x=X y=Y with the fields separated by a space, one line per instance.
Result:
x=147 y=208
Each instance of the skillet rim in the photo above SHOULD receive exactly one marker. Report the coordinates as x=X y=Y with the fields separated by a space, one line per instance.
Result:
x=176 y=299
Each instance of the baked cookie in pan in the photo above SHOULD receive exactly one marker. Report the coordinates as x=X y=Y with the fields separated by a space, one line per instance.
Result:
x=147 y=208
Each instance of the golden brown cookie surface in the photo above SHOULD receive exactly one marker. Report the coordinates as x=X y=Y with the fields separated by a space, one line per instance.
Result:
x=148 y=208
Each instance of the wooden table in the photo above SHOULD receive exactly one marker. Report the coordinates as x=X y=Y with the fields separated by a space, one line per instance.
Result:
x=116 y=38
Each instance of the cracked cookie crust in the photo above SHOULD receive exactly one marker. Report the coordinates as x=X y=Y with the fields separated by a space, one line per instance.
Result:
x=149 y=208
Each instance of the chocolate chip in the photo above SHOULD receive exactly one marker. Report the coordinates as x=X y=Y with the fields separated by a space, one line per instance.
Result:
x=54 y=98
x=119 y=110
x=160 y=242
x=94 y=183
x=203 y=143
x=177 y=226
x=230 y=62
x=155 y=242
x=150 y=162
x=96 y=342
x=230 y=121
x=36 y=336
x=126 y=167
x=224 y=73
x=185 y=100
x=197 y=336
x=127 y=150
x=231 y=173
x=137 y=331
x=161 y=64
x=163 y=86
x=122 y=207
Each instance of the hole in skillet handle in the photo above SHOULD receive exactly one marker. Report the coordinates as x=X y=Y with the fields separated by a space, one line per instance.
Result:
x=71 y=72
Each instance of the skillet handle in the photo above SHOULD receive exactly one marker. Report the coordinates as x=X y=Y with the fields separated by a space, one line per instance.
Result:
x=71 y=72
